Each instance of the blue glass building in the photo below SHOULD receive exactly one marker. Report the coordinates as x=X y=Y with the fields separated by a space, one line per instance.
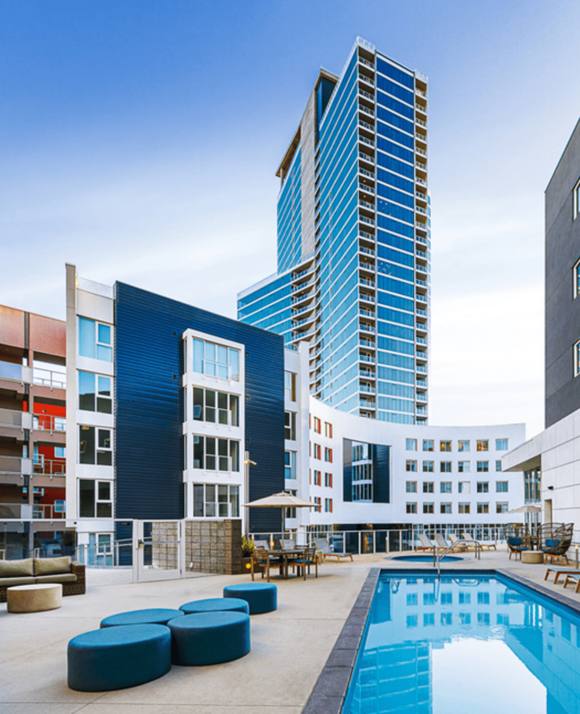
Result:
x=354 y=240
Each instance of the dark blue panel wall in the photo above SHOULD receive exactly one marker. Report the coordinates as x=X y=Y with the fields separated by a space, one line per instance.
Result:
x=347 y=470
x=149 y=404
x=381 y=473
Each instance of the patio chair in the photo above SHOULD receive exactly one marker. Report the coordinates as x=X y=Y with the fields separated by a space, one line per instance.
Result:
x=304 y=563
x=440 y=542
x=325 y=550
x=574 y=579
x=556 y=539
x=424 y=542
x=261 y=563
x=558 y=572
x=287 y=544
x=263 y=544
x=516 y=545
x=482 y=546
x=459 y=544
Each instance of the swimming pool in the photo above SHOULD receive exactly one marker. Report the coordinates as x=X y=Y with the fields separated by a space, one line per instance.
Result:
x=465 y=643
x=425 y=558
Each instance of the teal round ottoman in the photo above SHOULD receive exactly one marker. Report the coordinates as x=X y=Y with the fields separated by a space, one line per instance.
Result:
x=210 y=637
x=261 y=597
x=152 y=616
x=216 y=604
x=118 y=657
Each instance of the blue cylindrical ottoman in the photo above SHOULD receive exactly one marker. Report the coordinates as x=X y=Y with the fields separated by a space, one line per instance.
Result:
x=261 y=597
x=152 y=616
x=210 y=637
x=216 y=604
x=118 y=657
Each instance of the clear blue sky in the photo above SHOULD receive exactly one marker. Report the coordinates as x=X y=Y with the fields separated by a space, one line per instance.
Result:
x=139 y=140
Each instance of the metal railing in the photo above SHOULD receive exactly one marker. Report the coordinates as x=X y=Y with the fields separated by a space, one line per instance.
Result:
x=49 y=378
x=48 y=422
x=48 y=467
x=14 y=418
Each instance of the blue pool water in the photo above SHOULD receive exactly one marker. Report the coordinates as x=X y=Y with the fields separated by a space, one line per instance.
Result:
x=425 y=558
x=469 y=644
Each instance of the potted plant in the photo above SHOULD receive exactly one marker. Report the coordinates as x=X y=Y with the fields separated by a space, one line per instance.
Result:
x=247 y=554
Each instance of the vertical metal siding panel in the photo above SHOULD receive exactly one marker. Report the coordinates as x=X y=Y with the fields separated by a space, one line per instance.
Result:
x=381 y=473
x=149 y=408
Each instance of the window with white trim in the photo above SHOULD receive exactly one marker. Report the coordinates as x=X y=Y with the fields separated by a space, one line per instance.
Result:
x=95 y=339
x=577 y=358
x=215 y=360
x=216 y=407
x=95 y=445
x=290 y=425
x=95 y=392
x=95 y=499
x=211 y=500
x=213 y=454
x=576 y=200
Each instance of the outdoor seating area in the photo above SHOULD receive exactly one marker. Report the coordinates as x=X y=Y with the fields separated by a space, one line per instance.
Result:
x=550 y=541
x=287 y=557
x=37 y=571
x=138 y=646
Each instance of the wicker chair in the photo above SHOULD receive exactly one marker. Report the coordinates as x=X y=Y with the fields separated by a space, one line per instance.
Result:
x=309 y=558
x=260 y=563
x=556 y=539
x=517 y=539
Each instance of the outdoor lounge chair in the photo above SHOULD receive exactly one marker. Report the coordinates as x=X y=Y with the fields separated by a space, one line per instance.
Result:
x=574 y=579
x=424 y=543
x=516 y=544
x=440 y=542
x=483 y=546
x=460 y=545
x=556 y=539
x=326 y=551
x=558 y=572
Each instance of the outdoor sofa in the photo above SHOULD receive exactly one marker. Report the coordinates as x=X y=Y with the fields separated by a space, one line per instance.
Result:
x=33 y=571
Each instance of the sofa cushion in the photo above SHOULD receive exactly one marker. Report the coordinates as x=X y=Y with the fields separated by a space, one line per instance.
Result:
x=56 y=578
x=51 y=566
x=16 y=568
x=8 y=582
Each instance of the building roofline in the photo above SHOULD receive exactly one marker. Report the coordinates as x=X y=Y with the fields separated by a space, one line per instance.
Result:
x=574 y=130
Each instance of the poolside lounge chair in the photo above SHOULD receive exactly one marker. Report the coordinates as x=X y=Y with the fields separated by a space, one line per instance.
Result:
x=483 y=546
x=574 y=579
x=440 y=542
x=460 y=545
x=424 y=542
x=558 y=572
x=516 y=544
x=326 y=551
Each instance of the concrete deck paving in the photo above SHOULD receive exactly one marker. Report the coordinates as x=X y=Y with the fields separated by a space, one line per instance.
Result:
x=289 y=646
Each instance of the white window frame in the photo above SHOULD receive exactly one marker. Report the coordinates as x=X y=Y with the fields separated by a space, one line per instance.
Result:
x=577 y=358
x=98 y=449
x=216 y=501
x=231 y=398
x=216 y=454
x=576 y=200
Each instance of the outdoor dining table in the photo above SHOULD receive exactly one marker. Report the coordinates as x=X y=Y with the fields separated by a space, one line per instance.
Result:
x=284 y=557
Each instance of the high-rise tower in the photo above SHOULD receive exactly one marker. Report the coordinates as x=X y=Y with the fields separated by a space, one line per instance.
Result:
x=354 y=240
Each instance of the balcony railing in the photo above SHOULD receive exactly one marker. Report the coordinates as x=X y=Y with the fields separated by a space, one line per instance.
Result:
x=48 y=467
x=15 y=372
x=48 y=422
x=368 y=95
x=14 y=465
x=15 y=419
x=49 y=378
x=366 y=204
x=366 y=62
x=366 y=172
x=365 y=140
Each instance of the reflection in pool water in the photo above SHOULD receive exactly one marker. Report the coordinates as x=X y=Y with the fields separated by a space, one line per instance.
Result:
x=465 y=645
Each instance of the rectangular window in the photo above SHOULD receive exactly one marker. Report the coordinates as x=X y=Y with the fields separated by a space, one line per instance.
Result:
x=411 y=487
x=498 y=465
x=428 y=466
x=328 y=454
x=428 y=508
x=411 y=444
x=213 y=454
x=444 y=445
x=95 y=392
x=215 y=360
x=428 y=445
x=576 y=201
x=483 y=508
x=482 y=487
x=428 y=487
x=95 y=499
x=501 y=444
x=290 y=464
x=328 y=505
x=445 y=508
x=576 y=279
x=482 y=467
x=95 y=339
x=216 y=407
x=464 y=467
x=501 y=507
x=95 y=446
x=410 y=465
x=463 y=445
x=445 y=467
x=445 y=486
x=290 y=386
x=464 y=508
x=502 y=487
x=411 y=508
x=328 y=429
x=482 y=445
x=290 y=426
x=464 y=487
x=317 y=425
x=216 y=501
x=328 y=480
x=577 y=358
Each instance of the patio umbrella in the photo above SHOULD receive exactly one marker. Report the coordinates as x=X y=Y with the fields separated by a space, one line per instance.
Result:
x=282 y=500
x=527 y=509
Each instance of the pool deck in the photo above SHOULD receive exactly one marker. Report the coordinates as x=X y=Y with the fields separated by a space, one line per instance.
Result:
x=290 y=647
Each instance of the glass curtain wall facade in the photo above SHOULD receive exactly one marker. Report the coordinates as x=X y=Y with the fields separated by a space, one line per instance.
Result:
x=353 y=272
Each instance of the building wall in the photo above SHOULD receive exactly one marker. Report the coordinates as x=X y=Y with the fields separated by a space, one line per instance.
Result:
x=562 y=307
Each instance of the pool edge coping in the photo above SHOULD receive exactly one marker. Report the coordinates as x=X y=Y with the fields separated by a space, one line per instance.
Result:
x=329 y=692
